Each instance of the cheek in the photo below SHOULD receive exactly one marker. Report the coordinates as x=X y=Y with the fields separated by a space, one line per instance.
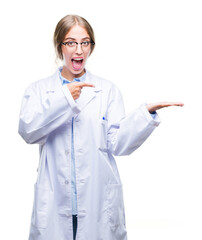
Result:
x=87 y=54
x=67 y=57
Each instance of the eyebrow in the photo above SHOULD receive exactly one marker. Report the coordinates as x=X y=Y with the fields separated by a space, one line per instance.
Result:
x=70 y=38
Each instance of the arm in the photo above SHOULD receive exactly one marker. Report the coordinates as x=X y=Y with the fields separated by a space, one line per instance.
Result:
x=127 y=133
x=132 y=131
x=43 y=111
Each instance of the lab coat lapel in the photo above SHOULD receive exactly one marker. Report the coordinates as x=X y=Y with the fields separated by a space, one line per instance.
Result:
x=88 y=93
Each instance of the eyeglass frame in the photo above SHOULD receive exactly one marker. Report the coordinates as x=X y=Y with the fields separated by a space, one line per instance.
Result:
x=66 y=43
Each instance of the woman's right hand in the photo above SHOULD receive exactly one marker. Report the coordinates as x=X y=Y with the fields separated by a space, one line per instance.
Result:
x=76 y=87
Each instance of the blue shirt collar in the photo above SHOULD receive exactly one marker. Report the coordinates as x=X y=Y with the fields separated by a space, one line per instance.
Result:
x=65 y=81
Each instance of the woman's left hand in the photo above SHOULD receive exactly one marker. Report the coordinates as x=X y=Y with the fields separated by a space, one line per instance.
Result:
x=153 y=107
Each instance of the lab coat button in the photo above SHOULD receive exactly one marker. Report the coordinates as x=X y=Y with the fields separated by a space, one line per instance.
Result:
x=66 y=182
x=66 y=152
x=82 y=213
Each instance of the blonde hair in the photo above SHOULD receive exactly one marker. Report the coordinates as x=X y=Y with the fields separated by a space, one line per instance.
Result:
x=64 y=26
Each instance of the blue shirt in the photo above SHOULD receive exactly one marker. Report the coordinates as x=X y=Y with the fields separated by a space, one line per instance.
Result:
x=73 y=174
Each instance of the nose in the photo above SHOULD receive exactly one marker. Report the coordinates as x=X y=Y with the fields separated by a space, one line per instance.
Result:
x=79 y=49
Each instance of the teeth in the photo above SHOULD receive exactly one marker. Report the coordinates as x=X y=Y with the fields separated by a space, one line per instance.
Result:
x=78 y=59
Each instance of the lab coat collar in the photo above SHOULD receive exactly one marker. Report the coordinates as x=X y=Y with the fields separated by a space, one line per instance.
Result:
x=87 y=94
x=56 y=82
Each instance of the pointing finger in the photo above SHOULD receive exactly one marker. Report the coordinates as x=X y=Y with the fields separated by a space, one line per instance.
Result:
x=81 y=84
x=86 y=85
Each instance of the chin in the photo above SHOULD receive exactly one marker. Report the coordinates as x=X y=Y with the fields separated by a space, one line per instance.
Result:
x=75 y=72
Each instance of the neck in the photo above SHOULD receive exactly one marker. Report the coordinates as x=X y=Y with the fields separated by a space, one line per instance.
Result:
x=69 y=76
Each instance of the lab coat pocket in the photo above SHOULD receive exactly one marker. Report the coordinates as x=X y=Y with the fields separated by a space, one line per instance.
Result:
x=115 y=206
x=102 y=136
x=42 y=204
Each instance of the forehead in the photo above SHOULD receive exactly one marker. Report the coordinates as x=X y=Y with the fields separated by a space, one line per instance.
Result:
x=77 y=32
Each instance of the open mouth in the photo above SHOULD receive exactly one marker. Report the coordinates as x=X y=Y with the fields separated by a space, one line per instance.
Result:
x=77 y=63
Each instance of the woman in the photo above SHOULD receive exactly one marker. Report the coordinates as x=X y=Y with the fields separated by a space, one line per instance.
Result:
x=79 y=122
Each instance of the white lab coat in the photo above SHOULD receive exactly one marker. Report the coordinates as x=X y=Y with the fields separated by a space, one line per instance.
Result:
x=101 y=130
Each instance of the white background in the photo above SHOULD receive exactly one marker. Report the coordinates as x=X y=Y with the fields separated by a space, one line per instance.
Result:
x=153 y=51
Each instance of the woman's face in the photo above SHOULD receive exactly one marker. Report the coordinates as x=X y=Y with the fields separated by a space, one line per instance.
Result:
x=75 y=57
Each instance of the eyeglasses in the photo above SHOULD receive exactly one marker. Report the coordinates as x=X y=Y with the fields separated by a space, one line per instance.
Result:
x=75 y=44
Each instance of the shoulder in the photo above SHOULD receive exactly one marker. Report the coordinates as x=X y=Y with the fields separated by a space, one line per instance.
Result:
x=48 y=83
